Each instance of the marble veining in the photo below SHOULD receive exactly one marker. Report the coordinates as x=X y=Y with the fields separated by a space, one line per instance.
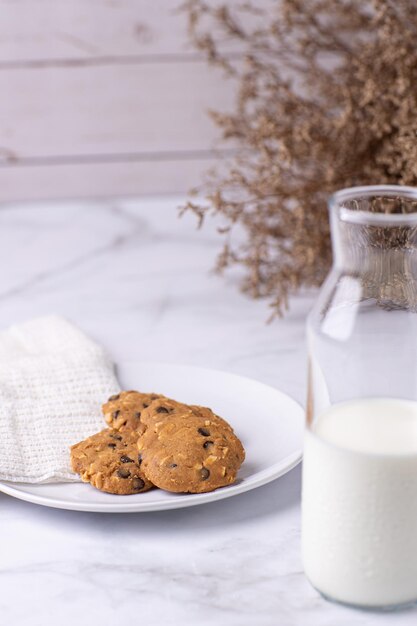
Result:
x=139 y=280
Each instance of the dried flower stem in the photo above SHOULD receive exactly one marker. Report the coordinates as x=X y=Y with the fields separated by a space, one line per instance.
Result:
x=326 y=98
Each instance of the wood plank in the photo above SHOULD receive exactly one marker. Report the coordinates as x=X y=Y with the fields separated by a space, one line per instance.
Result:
x=75 y=180
x=90 y=29
x=65 y=29
x=97 y=110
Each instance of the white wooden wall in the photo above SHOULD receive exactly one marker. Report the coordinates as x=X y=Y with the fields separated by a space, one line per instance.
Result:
x=102 y=97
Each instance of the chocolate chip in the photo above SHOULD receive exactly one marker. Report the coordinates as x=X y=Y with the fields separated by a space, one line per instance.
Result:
x=126 y=459
x=173 y=465
x=137 y=415
x=118 y=437
x=162 y=409
x=204 y=473
x=115 y=414
x=123 y=472
x=111 y=445
x=138 y=484
x=140 y=459
x=115 y=397
x=204 y=432
x=206 y=444
x=145 y=406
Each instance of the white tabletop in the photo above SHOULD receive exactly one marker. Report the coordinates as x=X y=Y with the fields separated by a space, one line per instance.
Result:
x=137 y=278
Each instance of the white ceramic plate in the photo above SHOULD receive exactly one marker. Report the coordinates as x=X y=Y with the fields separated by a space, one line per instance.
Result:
x=269 y=423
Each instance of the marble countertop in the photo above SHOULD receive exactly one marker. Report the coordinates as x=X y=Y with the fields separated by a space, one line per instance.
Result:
x=139 y=280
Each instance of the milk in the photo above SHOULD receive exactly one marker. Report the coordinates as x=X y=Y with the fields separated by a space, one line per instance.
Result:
x=359 y=530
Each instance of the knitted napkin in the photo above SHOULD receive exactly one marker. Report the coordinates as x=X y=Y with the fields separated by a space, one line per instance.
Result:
x=53 y=380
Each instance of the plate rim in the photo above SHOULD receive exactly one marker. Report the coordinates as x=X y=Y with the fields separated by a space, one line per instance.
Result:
x=263 y=477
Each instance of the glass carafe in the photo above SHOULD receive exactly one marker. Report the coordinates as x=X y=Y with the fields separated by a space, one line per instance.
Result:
x=359 y=508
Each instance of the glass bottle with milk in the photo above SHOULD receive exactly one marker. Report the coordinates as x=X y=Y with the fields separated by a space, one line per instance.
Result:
x=359 y=503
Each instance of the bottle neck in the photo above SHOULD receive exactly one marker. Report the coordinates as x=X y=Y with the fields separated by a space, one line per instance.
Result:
x=359 y=247
x=383 y=258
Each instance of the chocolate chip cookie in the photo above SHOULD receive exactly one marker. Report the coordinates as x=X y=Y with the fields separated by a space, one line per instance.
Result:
x=163 y=408
x=188 y=453
x=123 y=410
x=109 y=461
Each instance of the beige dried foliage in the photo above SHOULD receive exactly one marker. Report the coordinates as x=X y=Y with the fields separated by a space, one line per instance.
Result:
x=326 y=99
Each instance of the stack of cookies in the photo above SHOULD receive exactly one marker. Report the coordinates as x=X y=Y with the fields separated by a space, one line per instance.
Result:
x=153 y=441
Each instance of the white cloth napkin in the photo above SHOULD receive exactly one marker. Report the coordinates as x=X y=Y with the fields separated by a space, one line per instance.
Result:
x=53 y=380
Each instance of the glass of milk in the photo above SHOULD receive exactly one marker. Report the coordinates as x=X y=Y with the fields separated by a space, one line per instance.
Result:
x=359 y=502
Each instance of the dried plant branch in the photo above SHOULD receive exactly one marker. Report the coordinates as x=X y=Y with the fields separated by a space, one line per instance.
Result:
x=326 y=98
